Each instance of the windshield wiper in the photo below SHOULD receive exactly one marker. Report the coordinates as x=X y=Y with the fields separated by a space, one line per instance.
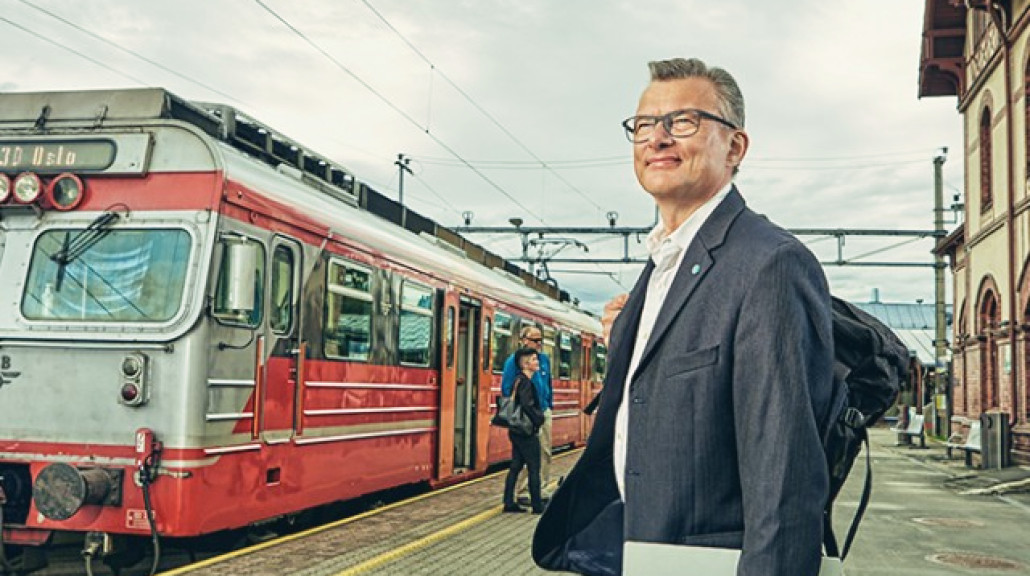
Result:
x=72 y=248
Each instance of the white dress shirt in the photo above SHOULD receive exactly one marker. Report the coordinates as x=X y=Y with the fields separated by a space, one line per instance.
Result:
x=667 y=252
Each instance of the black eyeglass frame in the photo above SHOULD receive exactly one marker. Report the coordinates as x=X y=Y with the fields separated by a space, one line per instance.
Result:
x=666 y=121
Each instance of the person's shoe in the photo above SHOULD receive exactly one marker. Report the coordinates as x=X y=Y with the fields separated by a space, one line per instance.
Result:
x=538 y=510
x=514 y=508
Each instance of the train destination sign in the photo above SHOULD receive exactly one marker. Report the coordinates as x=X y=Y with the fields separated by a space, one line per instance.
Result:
x=46 y=156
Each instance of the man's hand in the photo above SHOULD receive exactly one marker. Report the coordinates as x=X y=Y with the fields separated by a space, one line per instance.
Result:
x=611 y=312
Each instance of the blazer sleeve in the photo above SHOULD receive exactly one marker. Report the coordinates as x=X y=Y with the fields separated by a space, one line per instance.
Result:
x=782 y=385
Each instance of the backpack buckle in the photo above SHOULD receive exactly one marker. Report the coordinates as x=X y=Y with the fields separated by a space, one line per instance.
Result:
x=852 y=418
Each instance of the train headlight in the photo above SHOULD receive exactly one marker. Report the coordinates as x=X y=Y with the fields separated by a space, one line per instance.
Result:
x=131 y=367
x=27 y=188
x=5 y=188
x=65 y=192
x=135 y=382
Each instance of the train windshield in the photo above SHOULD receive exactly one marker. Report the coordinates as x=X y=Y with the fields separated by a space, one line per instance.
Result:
x=124 y=276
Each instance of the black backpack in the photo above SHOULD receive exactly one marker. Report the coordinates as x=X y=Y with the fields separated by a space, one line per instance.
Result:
x=870 y=363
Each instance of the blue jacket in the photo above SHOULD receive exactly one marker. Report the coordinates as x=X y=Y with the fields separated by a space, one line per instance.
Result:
x=541 y=380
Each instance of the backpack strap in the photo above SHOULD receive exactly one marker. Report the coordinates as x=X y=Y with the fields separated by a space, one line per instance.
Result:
x=829 y=539
x=864 y=501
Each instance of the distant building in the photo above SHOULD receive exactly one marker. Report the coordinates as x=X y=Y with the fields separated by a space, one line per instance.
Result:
x=977 y=51
x=914 y=324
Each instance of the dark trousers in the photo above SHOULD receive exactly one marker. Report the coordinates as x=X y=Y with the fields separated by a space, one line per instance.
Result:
x=525 y=451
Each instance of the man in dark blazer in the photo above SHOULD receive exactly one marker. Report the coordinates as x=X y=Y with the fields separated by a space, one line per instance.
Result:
x=710 y=426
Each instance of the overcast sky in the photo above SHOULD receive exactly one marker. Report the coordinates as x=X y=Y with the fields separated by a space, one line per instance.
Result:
x=531 y=92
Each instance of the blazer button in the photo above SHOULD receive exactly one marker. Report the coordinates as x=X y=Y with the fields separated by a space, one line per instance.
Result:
x=638 y=400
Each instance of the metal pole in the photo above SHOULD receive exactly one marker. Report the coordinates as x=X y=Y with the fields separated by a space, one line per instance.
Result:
x=941 y=379
x=402 y=166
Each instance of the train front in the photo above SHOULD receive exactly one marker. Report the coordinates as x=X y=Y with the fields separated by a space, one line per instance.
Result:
x=102 y=260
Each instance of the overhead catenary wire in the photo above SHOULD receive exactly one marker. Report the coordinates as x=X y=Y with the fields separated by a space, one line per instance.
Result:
x=397 y=109
x=131 y=52
x=860 y=161
x=443 y=199
x=436 y=69
x=79 y=54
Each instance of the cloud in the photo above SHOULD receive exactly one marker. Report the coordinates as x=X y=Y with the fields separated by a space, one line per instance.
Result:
x=839 y=138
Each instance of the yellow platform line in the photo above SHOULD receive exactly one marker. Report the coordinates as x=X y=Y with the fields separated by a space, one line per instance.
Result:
x=310 y=531
x=398 y=553
x=321 y=528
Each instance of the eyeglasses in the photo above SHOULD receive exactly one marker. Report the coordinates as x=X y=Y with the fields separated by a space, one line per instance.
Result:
x=678 y=124
x=536 y=340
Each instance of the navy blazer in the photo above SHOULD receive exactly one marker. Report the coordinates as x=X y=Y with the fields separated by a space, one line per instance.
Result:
x=728 y=409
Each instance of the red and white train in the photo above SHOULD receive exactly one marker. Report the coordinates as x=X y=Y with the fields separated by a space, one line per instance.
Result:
x=205 y=323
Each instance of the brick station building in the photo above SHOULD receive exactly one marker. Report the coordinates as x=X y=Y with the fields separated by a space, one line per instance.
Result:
x=979 y=52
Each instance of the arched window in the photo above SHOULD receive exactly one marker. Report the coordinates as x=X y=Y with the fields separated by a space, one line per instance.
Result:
x=986 y=197
x=990 y=318
x=1026 y=112
x=959 y=377
x=1025 y=362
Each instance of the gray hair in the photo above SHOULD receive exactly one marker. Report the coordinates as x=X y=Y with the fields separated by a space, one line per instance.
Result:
x=731 y=101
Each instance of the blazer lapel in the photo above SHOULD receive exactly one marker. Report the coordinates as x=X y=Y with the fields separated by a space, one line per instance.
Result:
x=624 y=333
x=695 y=266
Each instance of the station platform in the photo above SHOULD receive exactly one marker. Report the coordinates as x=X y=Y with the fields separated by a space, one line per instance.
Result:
x=459 y=530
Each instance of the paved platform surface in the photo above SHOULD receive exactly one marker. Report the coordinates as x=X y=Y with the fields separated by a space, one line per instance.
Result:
x=459 y=530
x=919 y=523
x=928 y=516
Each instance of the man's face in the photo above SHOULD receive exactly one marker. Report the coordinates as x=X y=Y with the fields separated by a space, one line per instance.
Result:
x=691 y=169
x=534 y=339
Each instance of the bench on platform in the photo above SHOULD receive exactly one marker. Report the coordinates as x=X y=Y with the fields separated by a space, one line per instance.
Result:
x=970 y=444
x=913 y=430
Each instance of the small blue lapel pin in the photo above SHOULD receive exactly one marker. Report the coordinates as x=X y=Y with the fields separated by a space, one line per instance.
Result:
x=696 y=269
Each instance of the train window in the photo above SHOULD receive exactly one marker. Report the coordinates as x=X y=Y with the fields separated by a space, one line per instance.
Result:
x=125 y=276
x=416 y=324
x=577 y=358
x=600 y=363
x=348 y=322
x=486 y=343
x=501 y=341
x=449 y=337
x=564 y=355
x=280 y=317
x=549 y=347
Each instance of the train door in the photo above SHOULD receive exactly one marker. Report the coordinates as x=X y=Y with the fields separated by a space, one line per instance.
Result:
x=276 y=393
x=485 y=393
x=466 y=389
x=448 y=385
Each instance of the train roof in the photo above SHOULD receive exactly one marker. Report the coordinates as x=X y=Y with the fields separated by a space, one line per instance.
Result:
x=320 y=188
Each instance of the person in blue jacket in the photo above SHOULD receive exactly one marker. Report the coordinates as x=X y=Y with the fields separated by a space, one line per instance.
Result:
x=532 y=337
